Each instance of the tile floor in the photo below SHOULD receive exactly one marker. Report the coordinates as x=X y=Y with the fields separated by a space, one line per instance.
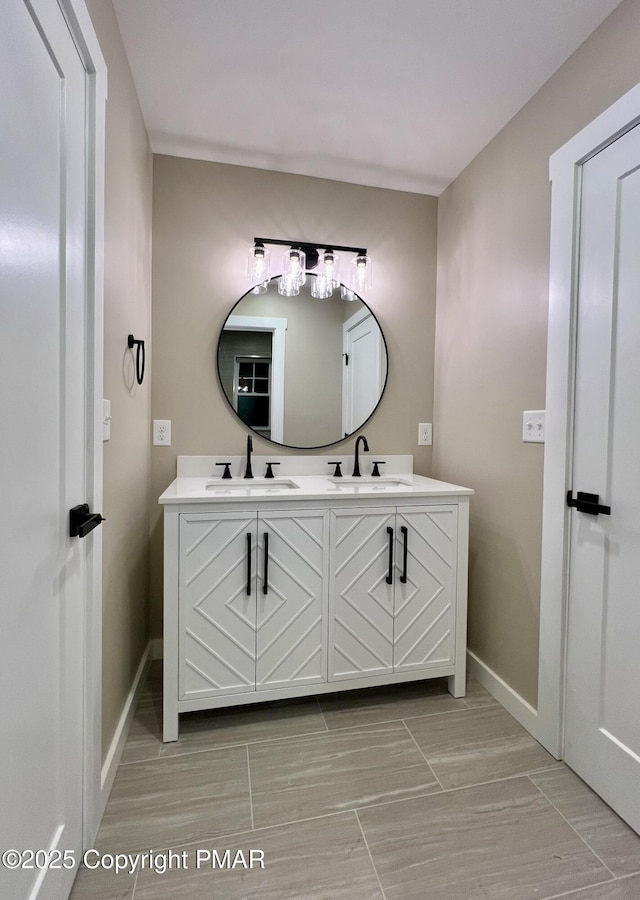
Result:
x=386 y=794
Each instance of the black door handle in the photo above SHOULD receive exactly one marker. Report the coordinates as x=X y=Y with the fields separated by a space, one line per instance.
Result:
x=82 y=520
x=248 y=562
x=588 y=503
x=405 y=548
x=389 y=578
x=265 y=579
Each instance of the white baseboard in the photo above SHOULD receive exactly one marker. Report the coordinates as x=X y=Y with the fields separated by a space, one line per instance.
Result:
x=112 y=759
x=521 y=711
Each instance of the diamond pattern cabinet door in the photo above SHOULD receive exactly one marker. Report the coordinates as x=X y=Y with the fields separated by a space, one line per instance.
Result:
x=217 y=616
x=424 y=620
x=361 y=601
x=291 y=636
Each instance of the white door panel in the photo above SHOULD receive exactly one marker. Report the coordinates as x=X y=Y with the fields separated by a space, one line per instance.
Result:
x=291 y=638
x=42 y=453
x=424 y=621
x=361 y=642
x=602 y=723
x=218 y=584
x=363 y=376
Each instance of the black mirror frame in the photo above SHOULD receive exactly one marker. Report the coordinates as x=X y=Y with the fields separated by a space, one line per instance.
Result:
x=294 y=446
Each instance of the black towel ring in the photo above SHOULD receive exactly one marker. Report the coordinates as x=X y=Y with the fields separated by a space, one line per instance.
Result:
x=140 y=357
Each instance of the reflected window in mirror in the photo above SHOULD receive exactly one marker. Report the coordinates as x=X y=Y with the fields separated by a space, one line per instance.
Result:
x=252 y=393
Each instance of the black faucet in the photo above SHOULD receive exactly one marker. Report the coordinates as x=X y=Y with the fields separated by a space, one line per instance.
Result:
x=247 y=472
x=356 y=466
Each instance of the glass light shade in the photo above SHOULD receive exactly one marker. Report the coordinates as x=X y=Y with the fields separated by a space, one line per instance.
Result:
x=259 y=265
x=329 y=267
x=261 y=288
x=288 y=286
x=347 y=294
x=360 y=276
x=294 y=266
x=321 y=287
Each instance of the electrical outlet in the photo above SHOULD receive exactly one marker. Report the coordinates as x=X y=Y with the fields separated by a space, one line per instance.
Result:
x=425 y=434
x=161 y=433
x=533 y=426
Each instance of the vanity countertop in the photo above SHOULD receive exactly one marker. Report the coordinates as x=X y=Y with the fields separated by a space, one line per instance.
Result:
x=198 y=489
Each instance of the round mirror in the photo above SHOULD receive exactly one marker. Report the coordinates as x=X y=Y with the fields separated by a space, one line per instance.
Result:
x=301 y=371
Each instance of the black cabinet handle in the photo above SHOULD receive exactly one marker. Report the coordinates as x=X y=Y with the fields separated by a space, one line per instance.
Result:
x=248 y=564
x=405 y=534
x=265 y=579
x=389 y=578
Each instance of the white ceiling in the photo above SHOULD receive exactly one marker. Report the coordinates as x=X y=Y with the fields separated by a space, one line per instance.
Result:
x=398 y=94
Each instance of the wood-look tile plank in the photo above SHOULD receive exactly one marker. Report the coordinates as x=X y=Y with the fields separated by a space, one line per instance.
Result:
x=102 y=884
x=617 y=845
x=477 y=745
x=145 y=734
x=501 y=841
x=168 y=802
x=151 y=690
x=243 y=725
x=322 y=859
x=476 y=695
x=385 y=704
x=620 y=889
x=334 y=772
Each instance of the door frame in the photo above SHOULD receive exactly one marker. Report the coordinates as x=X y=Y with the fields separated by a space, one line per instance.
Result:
x=86 y=41
x=278 y=329
x=565 y=172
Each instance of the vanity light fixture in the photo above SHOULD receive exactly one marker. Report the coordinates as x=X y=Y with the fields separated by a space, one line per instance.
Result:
x=360 y=274
x=301 y=257
x=259 y=267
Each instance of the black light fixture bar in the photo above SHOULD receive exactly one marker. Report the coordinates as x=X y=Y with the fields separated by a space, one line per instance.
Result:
x=313 y=245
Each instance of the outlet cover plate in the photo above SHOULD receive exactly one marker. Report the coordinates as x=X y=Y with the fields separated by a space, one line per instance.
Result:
x=425 y=434
x=161 y=432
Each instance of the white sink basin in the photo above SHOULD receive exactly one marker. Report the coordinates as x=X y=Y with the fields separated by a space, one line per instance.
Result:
x=367 y=482
x=249 y=485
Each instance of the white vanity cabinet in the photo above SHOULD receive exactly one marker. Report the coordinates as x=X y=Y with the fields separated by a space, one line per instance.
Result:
x=393 y=596
x=310 y=587
x=252 y=601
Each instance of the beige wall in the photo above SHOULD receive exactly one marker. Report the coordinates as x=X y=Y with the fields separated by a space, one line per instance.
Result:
x=127 y=303
x=493 y=270
x=205 y=216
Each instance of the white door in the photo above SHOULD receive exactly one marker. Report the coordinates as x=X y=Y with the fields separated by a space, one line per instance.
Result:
x=42 y=452
x=361 y=593
x=602 y=716
x=293 y=570
x=425 y=587
x=218 y=604
x=363 y=373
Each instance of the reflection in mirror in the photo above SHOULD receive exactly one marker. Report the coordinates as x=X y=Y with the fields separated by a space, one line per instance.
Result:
x=300 y=371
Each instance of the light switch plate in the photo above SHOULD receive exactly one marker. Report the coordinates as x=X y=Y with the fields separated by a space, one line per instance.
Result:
x=533 y=426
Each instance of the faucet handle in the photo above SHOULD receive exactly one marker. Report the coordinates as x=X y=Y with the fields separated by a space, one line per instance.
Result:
x=338 y=471
x=226 y=473
x=270 y=470
x=376 y=470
